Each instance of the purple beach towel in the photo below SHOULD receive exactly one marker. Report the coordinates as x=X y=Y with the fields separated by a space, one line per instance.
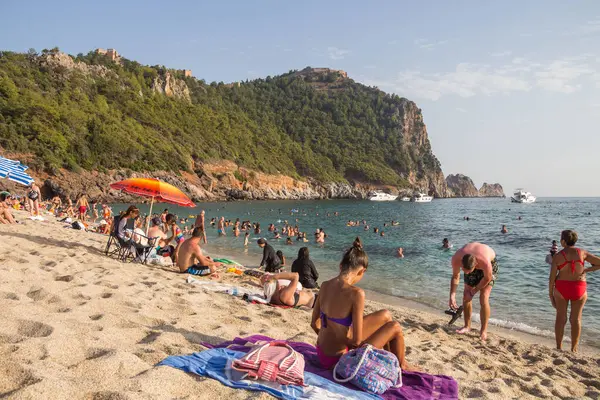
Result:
x=416 y=385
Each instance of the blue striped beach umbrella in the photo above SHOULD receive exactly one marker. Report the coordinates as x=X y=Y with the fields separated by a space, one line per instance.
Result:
x=14 y=171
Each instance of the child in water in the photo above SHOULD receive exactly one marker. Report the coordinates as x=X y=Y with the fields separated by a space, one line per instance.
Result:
x=246 y=239
x=553 y=251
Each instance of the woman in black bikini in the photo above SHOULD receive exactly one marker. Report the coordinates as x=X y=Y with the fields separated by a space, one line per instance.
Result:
x=352 y=329
x=278 y=293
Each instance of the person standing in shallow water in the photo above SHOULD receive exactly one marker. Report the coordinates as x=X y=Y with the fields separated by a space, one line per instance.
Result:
x=480 y=268
x=567 y=283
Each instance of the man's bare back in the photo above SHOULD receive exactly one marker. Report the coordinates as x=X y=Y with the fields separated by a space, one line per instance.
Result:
x=192 y=260
x=482 y=252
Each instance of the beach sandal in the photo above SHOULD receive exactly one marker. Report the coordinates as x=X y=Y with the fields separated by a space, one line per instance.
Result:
x=457 y=314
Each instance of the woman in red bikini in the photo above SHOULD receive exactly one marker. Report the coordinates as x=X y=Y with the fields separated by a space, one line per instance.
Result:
x=567 y=284
x=338 y=315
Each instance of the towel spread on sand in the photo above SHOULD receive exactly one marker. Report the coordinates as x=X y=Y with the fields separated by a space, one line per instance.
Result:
x=416 y=385
x=216 y=364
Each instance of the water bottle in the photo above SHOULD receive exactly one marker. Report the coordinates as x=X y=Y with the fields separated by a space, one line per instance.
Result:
x=233 y=291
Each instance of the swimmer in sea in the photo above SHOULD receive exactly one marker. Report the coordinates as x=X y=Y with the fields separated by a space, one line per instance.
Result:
x=446 y=244
x=503 y=230
x=221 y=227
x=400 y=252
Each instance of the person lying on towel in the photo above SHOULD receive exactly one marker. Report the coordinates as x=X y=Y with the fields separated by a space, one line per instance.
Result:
x=191 y=260
x=282 y=289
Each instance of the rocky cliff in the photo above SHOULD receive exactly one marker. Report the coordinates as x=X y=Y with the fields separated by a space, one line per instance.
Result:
x=170 y=86
x=218 y=181
x=491 y=190
x=460 y=185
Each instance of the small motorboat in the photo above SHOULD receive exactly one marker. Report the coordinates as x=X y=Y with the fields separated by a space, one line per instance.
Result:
x=381 y=196
x=521 y=196
x=422 y=198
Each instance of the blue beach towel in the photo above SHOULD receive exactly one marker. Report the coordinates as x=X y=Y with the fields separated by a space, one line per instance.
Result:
x=214 y=364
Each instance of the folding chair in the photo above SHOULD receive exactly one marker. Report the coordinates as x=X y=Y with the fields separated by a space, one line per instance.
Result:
x=113 y=240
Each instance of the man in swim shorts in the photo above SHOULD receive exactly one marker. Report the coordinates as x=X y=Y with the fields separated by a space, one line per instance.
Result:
x=221 y=227
x=191 y=260
x=480 y=268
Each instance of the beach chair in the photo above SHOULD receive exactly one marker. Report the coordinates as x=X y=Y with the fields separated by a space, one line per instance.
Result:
x=113 y=245
x=136 y=252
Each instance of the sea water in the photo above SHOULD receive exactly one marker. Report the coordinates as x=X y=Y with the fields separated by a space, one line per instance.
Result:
x=519 y=299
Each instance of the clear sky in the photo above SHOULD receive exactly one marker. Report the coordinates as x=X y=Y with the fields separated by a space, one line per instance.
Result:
x=510 y=90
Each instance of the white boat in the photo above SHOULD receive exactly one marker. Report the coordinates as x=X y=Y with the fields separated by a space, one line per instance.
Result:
x=406 y=198
x=381 y=196
x=422 y=198
x=521 y=196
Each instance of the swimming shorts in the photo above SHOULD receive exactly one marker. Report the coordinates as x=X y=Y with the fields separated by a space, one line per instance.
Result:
x=197 y=269
x=82 y=209
x=221 y=232
x=476 y=276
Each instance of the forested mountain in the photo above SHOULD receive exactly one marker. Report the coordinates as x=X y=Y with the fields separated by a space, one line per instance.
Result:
x=88 y=112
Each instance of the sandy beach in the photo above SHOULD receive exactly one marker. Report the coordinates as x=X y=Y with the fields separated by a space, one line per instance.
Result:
x=75 y=324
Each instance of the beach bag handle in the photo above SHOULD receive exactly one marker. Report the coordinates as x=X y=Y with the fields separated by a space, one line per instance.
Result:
x=358 y=365
x=278 y=344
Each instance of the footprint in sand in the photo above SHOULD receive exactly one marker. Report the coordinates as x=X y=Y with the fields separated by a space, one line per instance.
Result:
x=14 y=378
x=106 y=295
x=9 y=296
x=37 y=294
x=106 y=395
x=34 y=329
x=51 y=264
x=96 y=317
x=64 y=310
x=34 y=253
x=94 y=353
x=150 y=337
x=64 y=278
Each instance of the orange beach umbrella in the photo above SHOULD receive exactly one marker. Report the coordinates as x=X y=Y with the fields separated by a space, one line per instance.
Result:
x=159 y=191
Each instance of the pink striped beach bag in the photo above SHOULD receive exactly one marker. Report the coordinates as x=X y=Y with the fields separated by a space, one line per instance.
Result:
x=371 y=369
x=274 y=362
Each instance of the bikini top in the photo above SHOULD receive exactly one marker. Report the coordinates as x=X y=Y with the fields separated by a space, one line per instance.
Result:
x=342 y=321
x=573 y=262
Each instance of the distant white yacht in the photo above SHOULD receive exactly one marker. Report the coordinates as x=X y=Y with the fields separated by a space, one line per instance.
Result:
x=381 y=196
x=521 y=196
x=422 y=198
x=405 y=198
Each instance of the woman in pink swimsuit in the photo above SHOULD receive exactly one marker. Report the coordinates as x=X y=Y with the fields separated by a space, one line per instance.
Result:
x=338 y=315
